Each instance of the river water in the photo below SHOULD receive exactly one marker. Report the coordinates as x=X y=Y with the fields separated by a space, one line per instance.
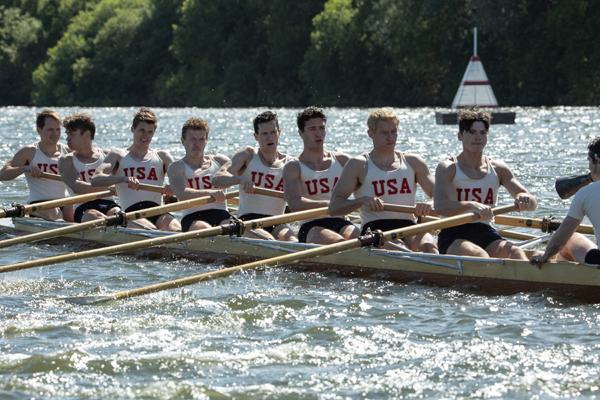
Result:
x=281 y=334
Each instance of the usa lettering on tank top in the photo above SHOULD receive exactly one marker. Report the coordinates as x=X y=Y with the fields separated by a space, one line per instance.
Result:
x=149 y=171
x=397 y=186
x=85 y=171
x=318 y=185
x=267 y=177
x=201 y=179
x=46 y=189
x=484 y=190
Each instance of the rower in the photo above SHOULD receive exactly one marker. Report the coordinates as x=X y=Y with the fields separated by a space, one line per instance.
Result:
x=385 y=175
x=469 y=182
x=34 y=159
x=309 y=181
x=192 y=176
x=139 y=164
x=571 y=245
x=78 y=167
x=261 y=167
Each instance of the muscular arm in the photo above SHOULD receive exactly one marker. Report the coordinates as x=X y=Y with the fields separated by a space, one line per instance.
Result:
x=230 y=175
x=292 y=191
x=352 y=177
x=69 y=175
x=560 y=237
x=514 y=187
x=104 y=175
x=166 y=158
x=423 y=175
x=18 y=165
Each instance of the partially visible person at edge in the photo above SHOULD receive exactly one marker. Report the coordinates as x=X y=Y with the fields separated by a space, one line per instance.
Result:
x=385 y=175
x=309 y=181
x=469 y=182
x=571 y=245
x=262 y=167
x=42 y=156
x=192 y=177
x=78 y=168
x=139 y=164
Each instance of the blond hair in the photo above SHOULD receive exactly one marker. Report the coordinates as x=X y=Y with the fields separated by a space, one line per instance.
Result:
x=386 y=114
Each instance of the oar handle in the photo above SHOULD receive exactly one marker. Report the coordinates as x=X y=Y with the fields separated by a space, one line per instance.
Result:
x=544 y=224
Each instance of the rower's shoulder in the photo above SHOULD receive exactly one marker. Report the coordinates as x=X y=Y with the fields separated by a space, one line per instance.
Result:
x=292 y=167
x=342 y=157
x=447 y=161
x=165 y=155
x=414 y=159
x=221 y=159
x=177 y=166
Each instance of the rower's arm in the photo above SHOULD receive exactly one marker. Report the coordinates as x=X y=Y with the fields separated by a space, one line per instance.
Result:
x=179 y=185
x=105 y=173
x=523 y=199
x=292 y=191
x=422 y=174
x=349 y=181
x=560 y=237
x=230 y=174
x=69 y=176
x=18 y=165
x=166 y=158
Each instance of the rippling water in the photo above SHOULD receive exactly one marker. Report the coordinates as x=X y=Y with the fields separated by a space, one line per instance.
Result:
x=284 y=335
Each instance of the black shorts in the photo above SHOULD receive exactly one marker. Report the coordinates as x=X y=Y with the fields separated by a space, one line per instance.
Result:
x=141 y=205
x=102 y=205
x=213 y=217
x=478 y=233
x=334 y=223
x=386 y=224
x=593 y=257
x=249 y=216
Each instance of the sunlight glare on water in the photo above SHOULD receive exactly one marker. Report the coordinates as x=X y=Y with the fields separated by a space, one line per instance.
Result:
x=287 y=334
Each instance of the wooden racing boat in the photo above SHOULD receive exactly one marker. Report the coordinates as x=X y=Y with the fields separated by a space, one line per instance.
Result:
x=495 y=276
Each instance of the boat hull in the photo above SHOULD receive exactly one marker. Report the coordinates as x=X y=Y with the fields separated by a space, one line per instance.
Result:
x=495 y=276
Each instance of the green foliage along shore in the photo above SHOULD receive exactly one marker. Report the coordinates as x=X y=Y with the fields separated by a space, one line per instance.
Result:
x=235 y=53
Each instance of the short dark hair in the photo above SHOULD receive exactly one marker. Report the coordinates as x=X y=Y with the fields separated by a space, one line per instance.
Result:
x=266 y=116
x=309 y=113
x=594 y=148
x=467 y=117
x=81 y=121
x=40 y=119
x=144 y=114
x=194 y=123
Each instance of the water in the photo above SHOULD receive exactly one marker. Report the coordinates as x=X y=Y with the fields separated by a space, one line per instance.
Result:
x=280 y=334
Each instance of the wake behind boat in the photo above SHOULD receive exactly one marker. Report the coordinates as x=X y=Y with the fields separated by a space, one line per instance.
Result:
x=495 y=276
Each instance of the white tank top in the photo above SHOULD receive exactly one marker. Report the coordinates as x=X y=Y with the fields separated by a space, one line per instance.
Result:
x=318 y=185
x=484 y=190
x=150 y=171
x=85 y=171
x=397 y=186
x=264 y=177
x=46 y=189
x=200 y=180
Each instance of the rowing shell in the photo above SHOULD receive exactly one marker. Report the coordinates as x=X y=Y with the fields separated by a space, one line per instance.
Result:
x=495 y=276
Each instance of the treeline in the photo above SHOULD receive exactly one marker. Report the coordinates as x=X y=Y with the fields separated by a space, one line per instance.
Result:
x=227 y=53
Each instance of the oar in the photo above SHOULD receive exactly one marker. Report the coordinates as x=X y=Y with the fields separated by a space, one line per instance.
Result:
x=234 y=228
x=19 y=210
x=367 y=240
x=142 y=186
x=503 y=232
x=119 y=219
x=567 y=186
x=544 y=224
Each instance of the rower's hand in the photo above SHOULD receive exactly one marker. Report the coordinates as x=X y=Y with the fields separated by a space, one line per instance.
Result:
x=218 y=195
x=372 y=203
x=538 y=259
x=34 y=171
x=132 y=183
x=247 y=186
x=168 y=191
x=423 y=209
x=484 y=212
x=524 y=201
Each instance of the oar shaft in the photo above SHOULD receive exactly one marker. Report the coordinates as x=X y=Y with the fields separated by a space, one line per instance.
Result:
x=67 y=201
x=301 y=255
x=539 y=223
x=174 y=238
